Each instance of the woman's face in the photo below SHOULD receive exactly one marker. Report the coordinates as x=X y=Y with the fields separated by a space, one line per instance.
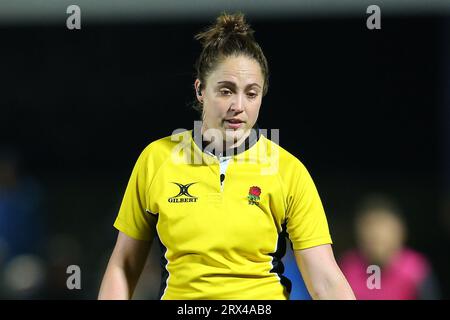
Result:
x=232 y=97
x=380 y=236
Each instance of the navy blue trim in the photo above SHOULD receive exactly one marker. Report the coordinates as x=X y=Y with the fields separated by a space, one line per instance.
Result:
x=164 y=272
x=278 y=266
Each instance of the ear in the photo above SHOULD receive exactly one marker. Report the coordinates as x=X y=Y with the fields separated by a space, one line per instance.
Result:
x=198 y=90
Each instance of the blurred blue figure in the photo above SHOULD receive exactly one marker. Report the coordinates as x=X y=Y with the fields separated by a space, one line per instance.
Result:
x=20 y=216
x=21 y=234
x=299 y=291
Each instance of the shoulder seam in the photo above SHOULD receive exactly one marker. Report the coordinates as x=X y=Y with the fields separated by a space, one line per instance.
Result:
x=147 y=192
x=279 y=177
x=156 y=174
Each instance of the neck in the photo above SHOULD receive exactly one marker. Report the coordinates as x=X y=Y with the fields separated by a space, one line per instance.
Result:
x=222 y=144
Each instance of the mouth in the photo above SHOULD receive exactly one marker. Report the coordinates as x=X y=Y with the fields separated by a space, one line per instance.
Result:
x=234 y=123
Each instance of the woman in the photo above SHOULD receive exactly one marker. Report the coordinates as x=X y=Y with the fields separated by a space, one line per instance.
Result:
x=221 y=204
x=381 y=233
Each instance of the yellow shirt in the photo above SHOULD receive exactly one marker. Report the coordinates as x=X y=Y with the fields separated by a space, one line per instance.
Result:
x=222 y=240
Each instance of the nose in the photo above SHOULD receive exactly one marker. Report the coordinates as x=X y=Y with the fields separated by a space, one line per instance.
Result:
x=237 y=104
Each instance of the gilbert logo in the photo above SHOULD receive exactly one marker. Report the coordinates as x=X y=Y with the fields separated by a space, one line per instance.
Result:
x=183 y=195
x=253 y=195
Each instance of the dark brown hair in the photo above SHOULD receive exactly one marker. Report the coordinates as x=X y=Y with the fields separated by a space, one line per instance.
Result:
x=376 y=202
x=229 y=36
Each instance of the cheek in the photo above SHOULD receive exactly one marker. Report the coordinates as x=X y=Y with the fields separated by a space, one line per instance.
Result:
x=217 y=108
x=253 y=110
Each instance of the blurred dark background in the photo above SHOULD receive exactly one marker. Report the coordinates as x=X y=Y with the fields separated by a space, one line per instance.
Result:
x=365 y=110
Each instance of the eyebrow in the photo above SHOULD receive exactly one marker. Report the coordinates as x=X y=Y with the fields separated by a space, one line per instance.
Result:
x=232 y=84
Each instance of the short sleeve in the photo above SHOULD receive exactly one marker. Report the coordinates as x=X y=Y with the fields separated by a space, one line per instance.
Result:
x=134 y=219
x=306 y=222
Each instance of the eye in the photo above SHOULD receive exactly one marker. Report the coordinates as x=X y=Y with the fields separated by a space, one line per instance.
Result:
x=252 y=95
x=225 y=92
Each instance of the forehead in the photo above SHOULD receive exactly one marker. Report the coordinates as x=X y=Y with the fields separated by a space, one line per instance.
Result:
x=379 y=218
x=238 y=68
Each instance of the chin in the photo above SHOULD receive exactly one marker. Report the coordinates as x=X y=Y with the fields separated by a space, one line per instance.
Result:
x=234 y=135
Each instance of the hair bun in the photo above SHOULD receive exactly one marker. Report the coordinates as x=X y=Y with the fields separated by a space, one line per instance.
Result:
x=232 y=24
x=226 y=25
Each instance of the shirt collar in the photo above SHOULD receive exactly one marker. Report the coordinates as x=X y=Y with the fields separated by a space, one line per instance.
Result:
x=228 y=153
